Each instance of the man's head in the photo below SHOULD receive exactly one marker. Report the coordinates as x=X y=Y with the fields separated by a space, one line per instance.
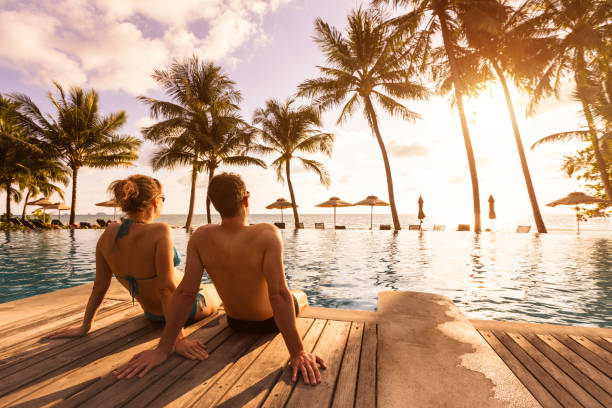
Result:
x=228 y=194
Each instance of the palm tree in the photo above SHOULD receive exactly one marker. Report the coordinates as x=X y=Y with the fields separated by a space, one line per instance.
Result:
x=440 y=17
x=201 y=127
x=79 y=136
x=42 y=179
x=583 y=33
x=287 y=131
x=366 y=63
x=508 y=42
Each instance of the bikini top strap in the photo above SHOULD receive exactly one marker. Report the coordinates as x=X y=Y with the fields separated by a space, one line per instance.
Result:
x=133 y=283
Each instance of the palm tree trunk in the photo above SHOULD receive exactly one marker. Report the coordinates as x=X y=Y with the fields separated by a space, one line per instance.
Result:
x=194 y=179
x=211 y=174
x=75 y=174
x=25 y=204
x=464 y=127
x=374 y=123
x=579 y=77
x=519 y=145
x=296 y=218
x=8 y=199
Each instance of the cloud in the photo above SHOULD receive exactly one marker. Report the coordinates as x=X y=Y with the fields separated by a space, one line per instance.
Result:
x=415 y=149
x=116 y=44
x=457 y=180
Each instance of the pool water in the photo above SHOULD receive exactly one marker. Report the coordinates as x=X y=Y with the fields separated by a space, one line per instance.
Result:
x=548 y=278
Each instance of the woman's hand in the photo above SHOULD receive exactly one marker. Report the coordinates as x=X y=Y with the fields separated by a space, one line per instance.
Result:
x=141 y=364
x=74 y=331
x=192 y=349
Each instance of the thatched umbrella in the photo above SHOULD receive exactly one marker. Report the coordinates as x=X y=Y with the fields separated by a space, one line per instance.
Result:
x=576 y=198
x=110 y=203
x=60 y=207
x=44 y=203
x=334 y=202
x=281 y=204
x=372 y=201
x=421 y=215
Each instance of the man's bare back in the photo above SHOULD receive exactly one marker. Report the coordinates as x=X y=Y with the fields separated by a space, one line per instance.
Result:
x=233 y=257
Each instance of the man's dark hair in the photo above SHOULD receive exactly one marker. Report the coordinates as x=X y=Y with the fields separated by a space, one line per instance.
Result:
x=227 y=192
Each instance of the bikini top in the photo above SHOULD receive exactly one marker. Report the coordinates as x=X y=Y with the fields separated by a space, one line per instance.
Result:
x=123 y=230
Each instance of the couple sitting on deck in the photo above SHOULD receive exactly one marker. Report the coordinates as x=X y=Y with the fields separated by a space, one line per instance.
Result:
x=245 y=264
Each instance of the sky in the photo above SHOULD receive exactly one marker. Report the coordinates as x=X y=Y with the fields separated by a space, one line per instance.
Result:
x=266 y=47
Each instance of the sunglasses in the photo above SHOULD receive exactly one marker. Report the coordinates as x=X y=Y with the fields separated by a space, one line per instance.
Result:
x=163 y=198
x=248 y=195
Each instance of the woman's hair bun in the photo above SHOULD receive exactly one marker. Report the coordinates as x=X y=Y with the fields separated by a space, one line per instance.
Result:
x=135 y=193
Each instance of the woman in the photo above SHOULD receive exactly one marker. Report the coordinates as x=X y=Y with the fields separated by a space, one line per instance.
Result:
x=139 y=253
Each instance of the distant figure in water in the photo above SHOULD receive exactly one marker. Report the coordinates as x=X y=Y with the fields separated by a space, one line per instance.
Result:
x=140 y=254
x=245 y=264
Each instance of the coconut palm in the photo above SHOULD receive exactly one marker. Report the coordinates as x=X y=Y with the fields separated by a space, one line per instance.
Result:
x=365 y=64
x=287 y=131
x=426 y=20
x=79 y=136
x=509 y=42
x=583 y=32
x=42 y=179
x=201 y=126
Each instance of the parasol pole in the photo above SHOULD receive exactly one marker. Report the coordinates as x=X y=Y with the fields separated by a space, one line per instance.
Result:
x=282 y=217
x=578 y=218
x=334 y=217
x=371 y=216
x=115 y=214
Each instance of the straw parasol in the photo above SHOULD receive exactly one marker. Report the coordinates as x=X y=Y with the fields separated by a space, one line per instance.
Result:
x=110 y=203
x=44 y=203
x=421 y=215
x=334 y=202
x=576 y=198
x=60 y=207
x=281 y=204
x=372 y=201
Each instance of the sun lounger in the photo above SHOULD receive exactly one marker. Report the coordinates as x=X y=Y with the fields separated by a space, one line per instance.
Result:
x=340 y=227
x=57 y=222
x=414 y=227
x=280 y=225
x=385 y=227
x=523 y=229
x=319 y=225
x=439 y=227
x=463 y=227
x=38 y=223
x=28 y=224
x=101 y=222
x=85 y=225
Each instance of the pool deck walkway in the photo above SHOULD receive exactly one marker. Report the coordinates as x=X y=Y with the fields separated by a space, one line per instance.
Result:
x=418 y=350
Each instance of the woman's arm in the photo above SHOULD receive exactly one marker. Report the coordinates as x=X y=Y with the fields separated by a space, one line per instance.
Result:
x=100 y=286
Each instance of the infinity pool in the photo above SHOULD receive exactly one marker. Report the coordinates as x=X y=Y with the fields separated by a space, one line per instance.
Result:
x=549 y=278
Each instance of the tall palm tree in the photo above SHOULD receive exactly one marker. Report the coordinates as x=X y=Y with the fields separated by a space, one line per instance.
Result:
x=287 y=130
x=583 y=32
x=366 y=63
x=509 y=42
x=425 y=20
x=79 y=136
x=200 y=127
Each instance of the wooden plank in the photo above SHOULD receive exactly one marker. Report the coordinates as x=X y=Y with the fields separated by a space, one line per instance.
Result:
x=539 y=328
x=51 y=348
x=586 y=354
x=574 y=389
x=59 y=387
x=330 y=348
x=340 y=314
x=280 y=392
x=344 y=397
x=234 y=348
x=578 y=376
x=594 y=374
x=536 y=389
x=590 y=345
x=113 y=392
x=253 y=384
x=601 y=342
x=538 y=372
x=366 y=382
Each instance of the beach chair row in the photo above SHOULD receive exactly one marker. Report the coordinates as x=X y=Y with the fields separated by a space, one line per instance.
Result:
x=411 y=227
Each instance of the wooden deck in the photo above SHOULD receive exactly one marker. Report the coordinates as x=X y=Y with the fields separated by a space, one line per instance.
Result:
x=561 y=366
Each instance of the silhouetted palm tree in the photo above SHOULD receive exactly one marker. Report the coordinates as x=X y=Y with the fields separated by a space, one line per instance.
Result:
x=201 y=127
x=287 y=130
x=366 y=63
x=425 y=20
x=79 y=136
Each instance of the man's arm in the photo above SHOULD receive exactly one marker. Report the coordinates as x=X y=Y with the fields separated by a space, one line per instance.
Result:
x=183 y=299
x=281 y=301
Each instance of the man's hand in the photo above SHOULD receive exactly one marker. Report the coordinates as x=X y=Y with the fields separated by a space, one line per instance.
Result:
x=141 y=364
x=74 y=331
x=306 y=363
x=192 y=349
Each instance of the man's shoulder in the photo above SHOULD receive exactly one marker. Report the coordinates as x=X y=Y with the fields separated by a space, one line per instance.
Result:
x=203 y=230
x=264 y=227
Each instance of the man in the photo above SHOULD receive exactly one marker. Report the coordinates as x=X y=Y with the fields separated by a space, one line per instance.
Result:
x=245 y=264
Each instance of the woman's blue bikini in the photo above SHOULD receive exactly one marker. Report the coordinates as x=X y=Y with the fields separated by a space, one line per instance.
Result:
x=124 y=228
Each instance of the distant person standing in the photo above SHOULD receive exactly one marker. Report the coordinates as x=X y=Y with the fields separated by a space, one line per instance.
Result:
x=245 y=264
